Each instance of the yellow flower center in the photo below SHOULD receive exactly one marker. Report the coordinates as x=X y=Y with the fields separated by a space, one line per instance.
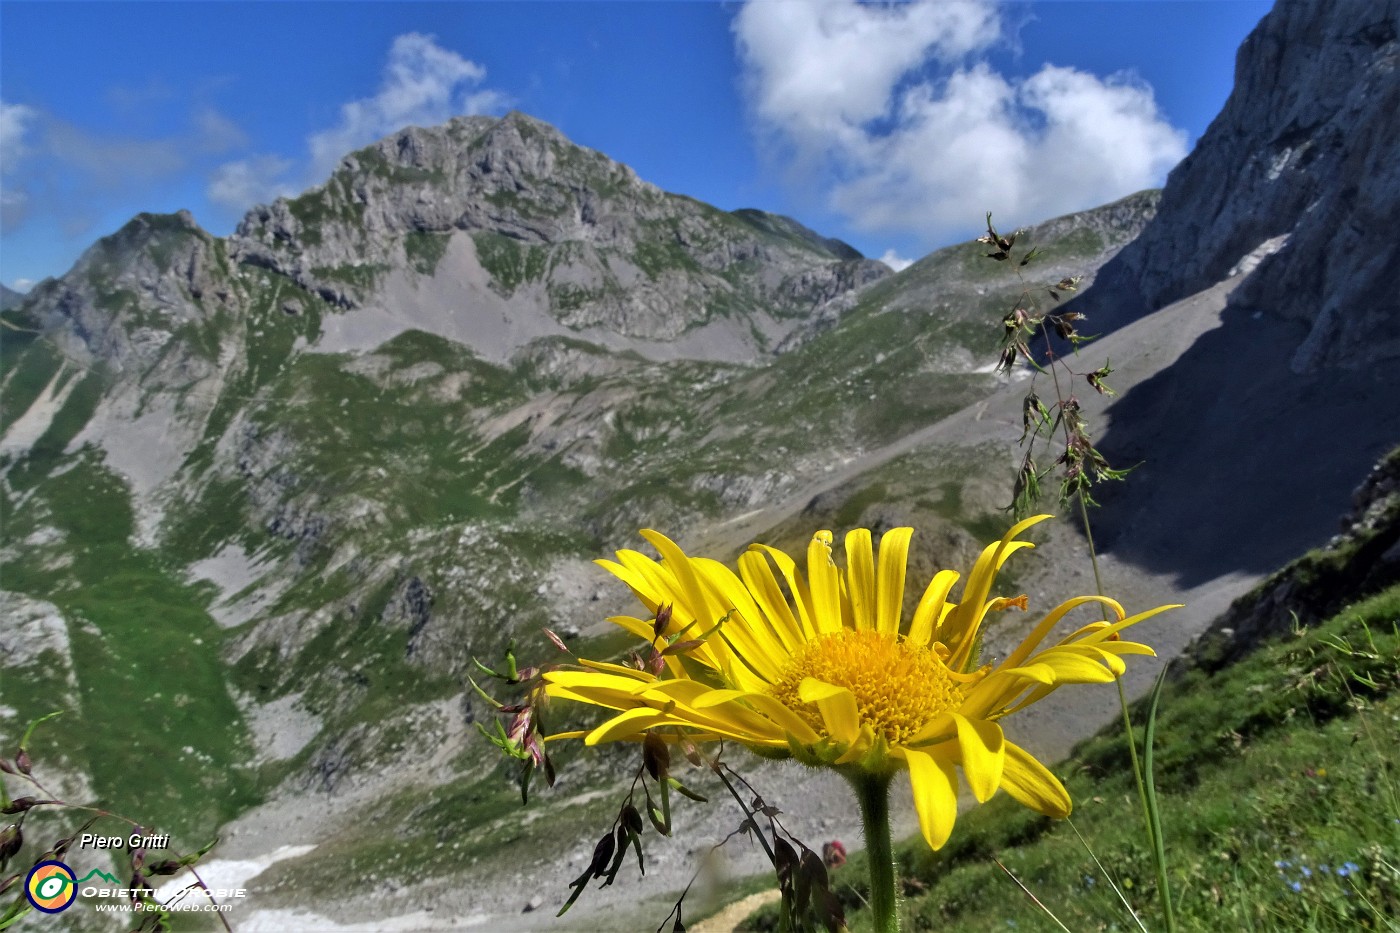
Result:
x=898 y=687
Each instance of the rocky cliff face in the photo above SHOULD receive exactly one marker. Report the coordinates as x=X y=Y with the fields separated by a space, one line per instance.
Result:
x=1302 y=162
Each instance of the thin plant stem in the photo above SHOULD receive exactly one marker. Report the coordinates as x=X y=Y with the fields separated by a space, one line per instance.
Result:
x=873 y=795
x=1034 y=900
x=1089 y=536
x=717 y=768
x=1154 y=812
x=1104 y=871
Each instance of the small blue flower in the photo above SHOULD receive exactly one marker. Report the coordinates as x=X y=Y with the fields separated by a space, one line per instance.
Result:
x=1282 y=865
x=1307 y=872
x=1296 y=886
x=1324 y=869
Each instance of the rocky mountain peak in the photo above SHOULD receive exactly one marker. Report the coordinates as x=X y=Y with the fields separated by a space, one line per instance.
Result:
x=131 y=291
x=554 y=228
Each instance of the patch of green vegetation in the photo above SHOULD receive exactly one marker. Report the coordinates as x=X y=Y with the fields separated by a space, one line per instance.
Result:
x=510 y=262
x=361 y=277
x=378 y=165
x=270 y=334
x=567 y=297
x=26 y=367
x=848 y=516
x=147 y=660
x=48 y=451
x=171 y=239
x=660 y=252
x=424 y=250
x=333 y=203
x=1081 y=243
x=113 y=299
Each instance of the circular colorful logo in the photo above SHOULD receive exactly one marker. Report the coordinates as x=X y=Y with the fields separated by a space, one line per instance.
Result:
x=51 y=887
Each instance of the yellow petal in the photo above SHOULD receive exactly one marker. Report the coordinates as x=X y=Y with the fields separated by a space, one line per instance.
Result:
x=760 y=582
x=894 y=561
x=837 y=706
x=860 y=577
x=859 y=748
x=636 y=581
x=1074 y=668
x=959 y=633
x=935 y=784
x=783 y=717
x=694 y=601
x=930 y=609
x=1107 y=632
x=743 y=628
x=653 y=583
x=626 y=725
x=801 y=593
x=825 y=581
x=983 y=748
x=1030 y=783
x=1043 y=627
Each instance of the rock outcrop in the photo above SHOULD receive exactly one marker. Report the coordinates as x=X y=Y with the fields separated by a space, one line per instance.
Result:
x=1305 y=157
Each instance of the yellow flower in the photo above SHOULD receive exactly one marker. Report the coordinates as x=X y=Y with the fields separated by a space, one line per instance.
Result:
x=825 y=670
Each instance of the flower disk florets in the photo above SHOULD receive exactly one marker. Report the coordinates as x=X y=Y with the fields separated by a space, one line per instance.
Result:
x=898 y=687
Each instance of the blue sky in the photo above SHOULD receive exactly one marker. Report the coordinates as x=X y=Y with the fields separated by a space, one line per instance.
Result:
x=893 y=128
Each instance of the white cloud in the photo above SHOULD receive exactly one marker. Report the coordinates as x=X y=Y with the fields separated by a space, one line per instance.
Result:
x=23 y=285
x=14 y=121
x=14 y=124
x=895 y=261
x=257 y=180
x=828 y=67
x=892 y=114
x=423 y=84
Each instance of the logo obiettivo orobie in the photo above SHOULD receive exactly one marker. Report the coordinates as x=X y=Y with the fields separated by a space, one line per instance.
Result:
x=51 y=887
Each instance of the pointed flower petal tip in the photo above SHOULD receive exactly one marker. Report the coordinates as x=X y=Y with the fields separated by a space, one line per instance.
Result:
x=817 y=660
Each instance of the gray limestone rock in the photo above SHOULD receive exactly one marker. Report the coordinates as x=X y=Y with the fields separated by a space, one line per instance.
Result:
x=1307 y=147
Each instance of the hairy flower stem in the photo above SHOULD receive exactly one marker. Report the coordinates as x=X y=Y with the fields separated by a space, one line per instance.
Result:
x=873 y=794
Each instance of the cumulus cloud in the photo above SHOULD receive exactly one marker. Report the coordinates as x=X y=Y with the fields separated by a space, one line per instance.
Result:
x=423 y=84
x=895 y=261
x=14 y=124
x=14 y=121
x=898 y=117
